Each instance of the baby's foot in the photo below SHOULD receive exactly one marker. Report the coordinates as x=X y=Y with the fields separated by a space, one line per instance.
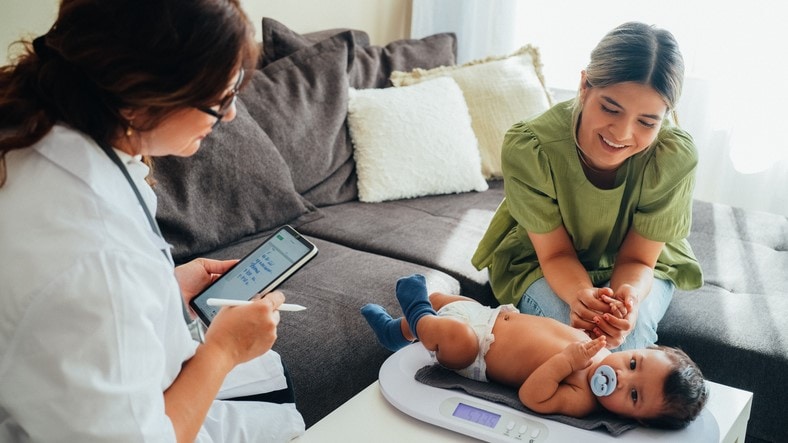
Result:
x=387 y=329
x=413 y=297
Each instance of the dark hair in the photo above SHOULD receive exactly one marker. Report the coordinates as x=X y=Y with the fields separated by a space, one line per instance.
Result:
x=102 y=56
x=640 y=53
x=685 y=392
x=636 y=52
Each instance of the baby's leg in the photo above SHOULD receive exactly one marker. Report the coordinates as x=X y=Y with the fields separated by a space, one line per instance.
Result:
x=453 y=341
x=412 y=296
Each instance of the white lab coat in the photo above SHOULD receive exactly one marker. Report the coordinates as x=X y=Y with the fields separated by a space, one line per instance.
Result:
x=91 y=324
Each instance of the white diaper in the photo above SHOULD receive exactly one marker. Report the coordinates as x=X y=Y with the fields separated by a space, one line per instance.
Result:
x=482 y=319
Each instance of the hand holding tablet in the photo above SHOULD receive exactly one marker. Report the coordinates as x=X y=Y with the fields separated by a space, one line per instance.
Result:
x=260 y=272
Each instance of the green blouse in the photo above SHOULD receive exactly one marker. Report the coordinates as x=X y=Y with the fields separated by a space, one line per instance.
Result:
x=545 y=187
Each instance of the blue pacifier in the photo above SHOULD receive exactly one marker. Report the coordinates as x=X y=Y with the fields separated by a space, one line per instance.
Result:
x=603 y=383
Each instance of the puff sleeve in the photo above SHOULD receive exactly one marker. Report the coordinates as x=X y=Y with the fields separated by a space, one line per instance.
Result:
x=530 y=190
x=664 y=212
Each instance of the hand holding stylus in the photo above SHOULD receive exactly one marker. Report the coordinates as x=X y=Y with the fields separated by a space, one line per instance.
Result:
x=229 y=302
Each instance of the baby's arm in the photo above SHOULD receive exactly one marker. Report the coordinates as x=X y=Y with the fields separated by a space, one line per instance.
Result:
x=545 y=391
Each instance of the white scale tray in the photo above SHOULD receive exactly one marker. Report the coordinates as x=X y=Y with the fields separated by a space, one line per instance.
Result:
x=488 y=421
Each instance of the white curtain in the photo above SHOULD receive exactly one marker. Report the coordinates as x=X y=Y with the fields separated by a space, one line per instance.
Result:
x=736 y=73
x=483 y=28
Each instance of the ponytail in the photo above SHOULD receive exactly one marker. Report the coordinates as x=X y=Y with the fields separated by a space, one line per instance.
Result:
x=97 y=59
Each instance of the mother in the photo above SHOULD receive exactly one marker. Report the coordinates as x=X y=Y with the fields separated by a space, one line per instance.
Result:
x=598 y=194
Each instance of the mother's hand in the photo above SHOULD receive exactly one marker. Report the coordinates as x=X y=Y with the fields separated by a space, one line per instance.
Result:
x=617 y=327
x=587 y=306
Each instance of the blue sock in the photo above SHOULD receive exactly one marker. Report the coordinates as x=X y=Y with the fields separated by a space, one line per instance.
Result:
x=413 y=297
x=387 y=329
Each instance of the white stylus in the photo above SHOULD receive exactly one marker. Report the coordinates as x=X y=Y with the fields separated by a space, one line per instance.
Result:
x=229 y=302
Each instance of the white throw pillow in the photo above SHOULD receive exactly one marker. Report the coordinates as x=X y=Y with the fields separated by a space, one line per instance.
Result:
x=413 y=141
x=499 y=91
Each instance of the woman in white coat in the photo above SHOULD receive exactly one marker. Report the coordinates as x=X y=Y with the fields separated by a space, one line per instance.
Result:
x=95 y=342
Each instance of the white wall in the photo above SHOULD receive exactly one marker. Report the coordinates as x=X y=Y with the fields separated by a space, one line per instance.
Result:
x=383 y=20
x=24 y=18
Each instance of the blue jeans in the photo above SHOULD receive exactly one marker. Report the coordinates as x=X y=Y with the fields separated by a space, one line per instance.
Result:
x=540 y=300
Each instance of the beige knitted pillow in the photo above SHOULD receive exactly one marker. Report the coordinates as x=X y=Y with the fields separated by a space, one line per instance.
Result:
x=499 y=92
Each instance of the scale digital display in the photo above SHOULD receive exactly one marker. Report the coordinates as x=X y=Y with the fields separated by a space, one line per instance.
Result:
x=476 y=415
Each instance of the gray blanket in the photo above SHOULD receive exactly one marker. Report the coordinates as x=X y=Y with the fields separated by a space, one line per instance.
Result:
x=440 y=377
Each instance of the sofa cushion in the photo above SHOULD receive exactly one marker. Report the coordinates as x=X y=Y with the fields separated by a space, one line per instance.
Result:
x=440 y=232
x=414 y=141
x=237 y=184
x=330 y=351
x=300 y=101
x=372 y=65
x=500 y=91
x=279 y=41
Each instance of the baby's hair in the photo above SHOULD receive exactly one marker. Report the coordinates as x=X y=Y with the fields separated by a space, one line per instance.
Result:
x=685 y=392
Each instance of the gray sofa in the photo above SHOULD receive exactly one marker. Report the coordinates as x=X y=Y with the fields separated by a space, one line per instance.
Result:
x=288 y=158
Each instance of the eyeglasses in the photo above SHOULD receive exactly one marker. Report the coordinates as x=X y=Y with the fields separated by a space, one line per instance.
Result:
x=226 y=103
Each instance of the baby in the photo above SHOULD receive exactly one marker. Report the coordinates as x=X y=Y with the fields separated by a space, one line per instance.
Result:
x=557 y=369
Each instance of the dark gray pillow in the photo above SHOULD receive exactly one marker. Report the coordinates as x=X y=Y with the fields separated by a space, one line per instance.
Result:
x=300 y=101
x=373 y=65
x=236 y=185
x=279 y=41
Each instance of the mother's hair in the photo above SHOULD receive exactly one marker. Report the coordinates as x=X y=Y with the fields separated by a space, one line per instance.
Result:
x=640 y=53
x=102 y=56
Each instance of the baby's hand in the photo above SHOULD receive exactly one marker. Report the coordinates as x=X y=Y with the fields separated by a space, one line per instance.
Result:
x=579 y=354
x=617 y=307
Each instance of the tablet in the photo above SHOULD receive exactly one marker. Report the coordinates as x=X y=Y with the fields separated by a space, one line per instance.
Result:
x=260 y=272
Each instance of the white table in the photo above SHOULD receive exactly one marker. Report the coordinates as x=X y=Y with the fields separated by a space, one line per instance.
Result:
x=370 y=417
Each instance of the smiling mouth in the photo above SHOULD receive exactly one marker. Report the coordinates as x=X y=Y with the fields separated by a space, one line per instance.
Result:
x=611 y=144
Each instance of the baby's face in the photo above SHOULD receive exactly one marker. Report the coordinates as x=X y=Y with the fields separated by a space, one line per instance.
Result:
x=640 y=378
